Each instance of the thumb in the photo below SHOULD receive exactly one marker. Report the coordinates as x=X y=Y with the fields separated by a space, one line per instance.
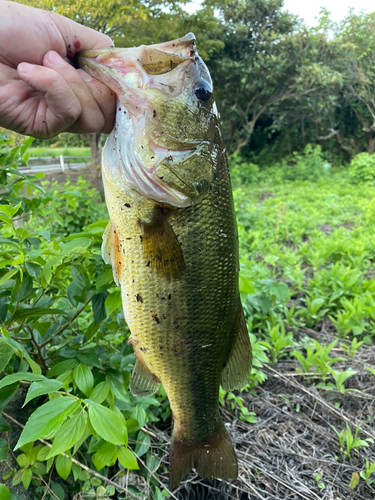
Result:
x=55 y=108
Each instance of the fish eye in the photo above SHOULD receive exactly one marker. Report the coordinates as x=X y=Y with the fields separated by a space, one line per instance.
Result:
x=202 y=90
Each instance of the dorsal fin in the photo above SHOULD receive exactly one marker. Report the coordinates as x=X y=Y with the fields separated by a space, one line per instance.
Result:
x=111 y=250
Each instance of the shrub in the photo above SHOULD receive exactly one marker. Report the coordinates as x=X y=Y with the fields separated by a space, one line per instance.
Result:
x=362 y=168
x=64 y=341
x=306 y=166
x=66 y=208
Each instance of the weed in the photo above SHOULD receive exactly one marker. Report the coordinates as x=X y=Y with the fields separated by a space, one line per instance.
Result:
x=351 y=349
x=237 y=402
x=318 y=478
x=365 y=474
x=318 y=357
x=339 y=377
x=278 y=341
x=349 y=442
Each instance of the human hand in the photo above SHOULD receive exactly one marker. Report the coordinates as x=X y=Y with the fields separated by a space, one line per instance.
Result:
x=41 y=94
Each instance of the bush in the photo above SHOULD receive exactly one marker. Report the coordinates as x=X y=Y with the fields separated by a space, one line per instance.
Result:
x=306 y=166
x=66 y=208
x=64 y=344
x=362 y=168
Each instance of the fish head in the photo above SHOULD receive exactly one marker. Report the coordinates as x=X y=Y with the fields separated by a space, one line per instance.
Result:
x=166 y=118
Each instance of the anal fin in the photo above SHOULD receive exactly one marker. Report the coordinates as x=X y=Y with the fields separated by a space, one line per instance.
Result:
x=162 y=250
x=111 y=251
x=237 y=370
x=142 y=382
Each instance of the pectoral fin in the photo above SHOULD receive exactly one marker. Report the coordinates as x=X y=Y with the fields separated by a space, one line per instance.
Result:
x=111 y=251
x=237 y=370
x=162 y=250
x=142 y=382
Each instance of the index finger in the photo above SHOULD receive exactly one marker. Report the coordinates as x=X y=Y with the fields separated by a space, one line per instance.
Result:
x=27 y=33
x=77 y=37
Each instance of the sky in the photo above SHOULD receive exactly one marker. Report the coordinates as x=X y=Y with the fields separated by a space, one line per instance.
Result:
x=309 y=10
x=339 y=8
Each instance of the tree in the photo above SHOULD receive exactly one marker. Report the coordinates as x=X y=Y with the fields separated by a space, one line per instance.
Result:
x=128 y=23
x=356 y=33
x=269 y=58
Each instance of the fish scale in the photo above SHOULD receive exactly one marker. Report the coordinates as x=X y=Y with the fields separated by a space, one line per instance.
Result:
x=176 y=260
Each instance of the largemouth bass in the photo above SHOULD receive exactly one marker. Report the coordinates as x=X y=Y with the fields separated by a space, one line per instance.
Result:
x=172 y=242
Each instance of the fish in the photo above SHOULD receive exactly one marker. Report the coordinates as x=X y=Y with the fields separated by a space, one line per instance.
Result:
x=173 y=245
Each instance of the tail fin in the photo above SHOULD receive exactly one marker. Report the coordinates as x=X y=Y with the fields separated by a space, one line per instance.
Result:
x=213 y=457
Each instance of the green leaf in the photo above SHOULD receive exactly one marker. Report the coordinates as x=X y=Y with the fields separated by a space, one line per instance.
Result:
x=281 y=291
x=39 y=388
x=23 y=460
x=140 y=415
x=39 y=469
x=62 y=367
x=35 y=368
x=63 y=467
x=16 y=377
x=26 y=478
x=47 y=270
x=143 y=444
x=98 y=307
x=127 y=459
x=43 y=453
x=84 y=379
x=105 y=455
x=58 y=490
x=47 y=419
x=4 y=492
x=7 y=394
x=3 y=450
x=35 y=312
x=100 y=392
x=113 y=302
x=3 y=425
x=33 y=269
x=10 y=211
x=104 y=278
x=108 y=425
x=6 y=352
x=245 y=285
x=7 y=276
x=69 y=433
x=77 y=242
x=26 y=289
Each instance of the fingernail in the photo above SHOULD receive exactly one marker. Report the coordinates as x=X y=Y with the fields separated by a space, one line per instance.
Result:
x=84 y=75
x=54 y=59
x=25 y=67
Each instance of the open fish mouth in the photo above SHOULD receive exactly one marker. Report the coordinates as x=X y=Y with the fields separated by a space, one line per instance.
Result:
x=163 y=133
x=155 y=59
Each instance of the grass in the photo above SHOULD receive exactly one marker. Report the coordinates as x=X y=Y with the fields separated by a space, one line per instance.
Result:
x=307 y=253
x=68 y=151
x=318 y=239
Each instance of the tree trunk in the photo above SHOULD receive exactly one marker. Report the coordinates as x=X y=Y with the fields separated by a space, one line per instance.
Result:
x=95 y=143
x=370 y=143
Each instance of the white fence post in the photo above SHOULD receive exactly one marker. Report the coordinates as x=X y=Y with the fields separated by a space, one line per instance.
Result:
x=62 y=164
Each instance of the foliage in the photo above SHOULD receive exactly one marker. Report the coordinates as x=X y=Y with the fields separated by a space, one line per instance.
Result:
x=366 y=474
x=307 y=254
x=57 y=151
x=63 y=338
x=362 y=168
x=349 y=442
x=67 y=208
